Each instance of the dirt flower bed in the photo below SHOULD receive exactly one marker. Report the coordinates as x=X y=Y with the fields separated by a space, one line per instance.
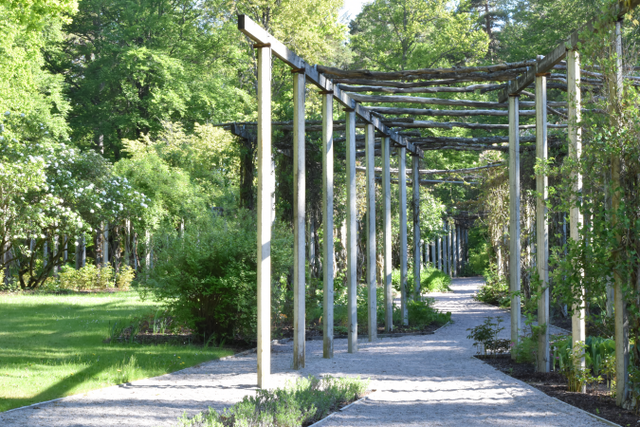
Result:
x=597 y=400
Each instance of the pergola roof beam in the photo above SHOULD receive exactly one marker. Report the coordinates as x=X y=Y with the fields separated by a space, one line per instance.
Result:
x=554 y=57
x=442 y=101
x=259 y=35
x=437 y=89
x=456 y=113
x=408 y=74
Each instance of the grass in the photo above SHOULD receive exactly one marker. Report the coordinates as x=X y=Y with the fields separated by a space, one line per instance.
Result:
x=52 y=346
x=300 y=403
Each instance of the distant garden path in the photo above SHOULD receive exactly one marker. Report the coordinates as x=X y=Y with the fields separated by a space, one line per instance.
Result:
x=420 y=380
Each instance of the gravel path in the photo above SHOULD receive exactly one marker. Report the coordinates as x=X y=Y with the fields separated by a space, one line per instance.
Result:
x=430 y=380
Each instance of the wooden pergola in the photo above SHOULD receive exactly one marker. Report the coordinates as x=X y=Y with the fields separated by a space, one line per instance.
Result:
x=559 y=69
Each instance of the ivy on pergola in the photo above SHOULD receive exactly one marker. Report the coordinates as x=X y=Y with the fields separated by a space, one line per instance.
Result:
x=347 y=87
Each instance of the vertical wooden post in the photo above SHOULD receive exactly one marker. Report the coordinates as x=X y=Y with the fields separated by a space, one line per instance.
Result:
x=105 y=245
x=575 y=216
x=264 y=216
x=327 y=215
x=514 y=219
x=542 y=227
x=445 y=243
x=432 y=251
x=440 y=267
x=299 y=232
x=371 y=230
x=352 y=248
x=454 y=250
x=386 y=192
x=459 y=248
x=416 y=226
x=402 y=187
x=621 y=320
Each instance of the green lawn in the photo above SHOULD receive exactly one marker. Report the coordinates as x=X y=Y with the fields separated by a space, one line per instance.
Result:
x=52 y=346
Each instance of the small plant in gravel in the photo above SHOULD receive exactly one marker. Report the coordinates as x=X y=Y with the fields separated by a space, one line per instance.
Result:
x=486 y=339
x=300 y=403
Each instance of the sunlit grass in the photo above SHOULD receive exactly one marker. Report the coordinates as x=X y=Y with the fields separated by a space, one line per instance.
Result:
x=52 y=346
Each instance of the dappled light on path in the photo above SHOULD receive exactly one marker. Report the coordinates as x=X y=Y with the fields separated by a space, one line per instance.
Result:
x=427 y=380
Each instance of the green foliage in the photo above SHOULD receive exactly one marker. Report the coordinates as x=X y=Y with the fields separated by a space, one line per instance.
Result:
x=431 y=280
x=421 y=313
x=478 y=252
x=148 y=61
x=567 y=358
x=415 y=34
x=92 y=277
x=495 y=290
x=208 y=277
x=302 y=402
x=485 y=337
x=52 y=192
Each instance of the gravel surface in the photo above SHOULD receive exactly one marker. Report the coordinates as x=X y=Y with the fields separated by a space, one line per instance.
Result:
x=429 y=380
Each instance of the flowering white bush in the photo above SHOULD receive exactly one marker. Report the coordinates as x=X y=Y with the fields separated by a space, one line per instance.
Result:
x=50 y=192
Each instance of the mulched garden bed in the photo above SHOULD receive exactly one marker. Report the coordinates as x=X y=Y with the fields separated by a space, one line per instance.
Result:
x=596 y=400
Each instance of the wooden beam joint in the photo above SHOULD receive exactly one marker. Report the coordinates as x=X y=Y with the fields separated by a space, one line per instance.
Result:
x=259 y=45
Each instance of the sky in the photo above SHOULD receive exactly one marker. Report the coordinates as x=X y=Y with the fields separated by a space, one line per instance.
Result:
x=351 y=9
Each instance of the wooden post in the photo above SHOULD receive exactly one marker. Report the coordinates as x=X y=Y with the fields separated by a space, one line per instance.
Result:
x=459 y=249
x=327 y=215
x=445 y=243
x=402 y=180
x=352 y=248
x=105 y=245
x=264 y=216
x=575 y=216
x=454 y=250
x=542 y=227
x=299 y=232
x=386 y=192
x=440 y=267
x=81 y=252
x=514 y=220
x=416 y=226
x=432 y=251
x=371 y=230
x=621 y=320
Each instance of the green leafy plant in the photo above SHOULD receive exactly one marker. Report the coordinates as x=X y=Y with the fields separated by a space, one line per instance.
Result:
x=431 y=280
x=567 y=361
x=302 y=402
x=486 y=339
x=208 y=277
x=495 y=290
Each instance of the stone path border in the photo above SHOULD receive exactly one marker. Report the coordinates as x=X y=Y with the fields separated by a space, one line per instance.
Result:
x=428 y=380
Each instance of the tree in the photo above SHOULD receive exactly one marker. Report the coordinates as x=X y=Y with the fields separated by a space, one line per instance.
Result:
x=397 y=35
x=129 y=65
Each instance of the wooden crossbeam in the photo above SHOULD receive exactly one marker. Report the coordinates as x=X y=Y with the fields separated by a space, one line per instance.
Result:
x=422 y=73
x=457 y=113
x=259 y=35
x=450 y=125
x=438 y=171
x=554 y=57
x=442 y=101
x=438 y=89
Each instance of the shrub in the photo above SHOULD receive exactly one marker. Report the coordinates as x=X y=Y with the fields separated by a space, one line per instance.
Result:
x=299 y=403
x=495 y=290
x=485 y=337
x=208 y=277
x=431 y=280
x=421 y=313
x=91 y=277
